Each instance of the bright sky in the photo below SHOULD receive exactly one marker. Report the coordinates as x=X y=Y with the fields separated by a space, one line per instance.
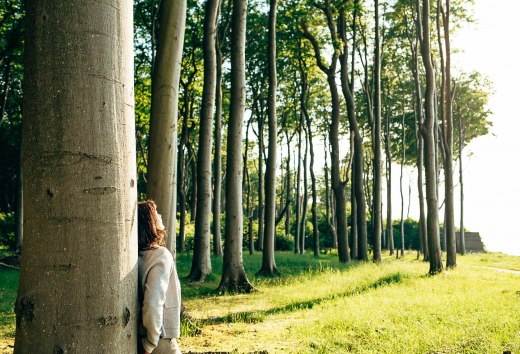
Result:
x=491 y=183
x=492 y=186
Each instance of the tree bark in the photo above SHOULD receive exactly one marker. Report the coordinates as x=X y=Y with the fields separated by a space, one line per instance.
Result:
x=234 y=277
x=376 y=193
x=403 y=147
x=297 y=193
x=338 y=186
x=429 y=144
x=181 y=168
x=449 y=205
x=419 y=121
x=288 y=188
x=358 y=200
x=268 y=260
x=461 y=183
x=201 y=261
x=305 y=197
x=162 y=183
x=217 y=159
x=389 y=222
x=78 y=276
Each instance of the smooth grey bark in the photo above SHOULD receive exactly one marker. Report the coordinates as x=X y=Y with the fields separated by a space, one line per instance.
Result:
x=288 y=187
x=268 y=260
x=338 y=186
x=305 y=196
x=303 y=106
x=403 y=157
x=181 y=168
x=449 y=204
x=389 y=222
x=297 y=192
x=462 y=249
x=261 y=186
x=427 y=131
x=376 y=193
x=419 y=121
x=234 y=277
x=78 y=276
x=201 y=260
x=328 y=204
x=162 y=155
x=358 y=201
x=217 y=157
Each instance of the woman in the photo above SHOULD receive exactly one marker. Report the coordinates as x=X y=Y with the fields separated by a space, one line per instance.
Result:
x=159 y=287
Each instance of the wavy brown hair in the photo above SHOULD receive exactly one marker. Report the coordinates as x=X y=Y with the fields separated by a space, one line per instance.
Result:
x=150 y=234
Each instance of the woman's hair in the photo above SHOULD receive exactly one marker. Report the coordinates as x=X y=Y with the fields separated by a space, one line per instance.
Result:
x=150 y=232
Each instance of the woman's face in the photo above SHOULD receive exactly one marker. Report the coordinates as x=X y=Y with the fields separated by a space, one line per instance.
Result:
x=160 y=224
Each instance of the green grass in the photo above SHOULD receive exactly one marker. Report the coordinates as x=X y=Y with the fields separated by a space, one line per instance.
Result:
x=322 y=306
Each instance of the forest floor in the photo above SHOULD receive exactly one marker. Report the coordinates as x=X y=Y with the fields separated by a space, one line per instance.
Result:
x=322 y=306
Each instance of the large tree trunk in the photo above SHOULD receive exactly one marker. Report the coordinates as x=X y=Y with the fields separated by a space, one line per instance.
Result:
x=234 y=277
x=268 y=260
x=78 y=275
x=449 y=205
x=429 y=145
x=162 y=183
x=376 y=216
x=201 y=261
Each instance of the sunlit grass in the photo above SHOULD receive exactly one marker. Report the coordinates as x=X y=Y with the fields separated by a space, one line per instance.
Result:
x=322 y=306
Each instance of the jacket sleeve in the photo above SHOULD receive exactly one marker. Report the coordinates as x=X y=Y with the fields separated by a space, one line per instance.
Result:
x=155 y=288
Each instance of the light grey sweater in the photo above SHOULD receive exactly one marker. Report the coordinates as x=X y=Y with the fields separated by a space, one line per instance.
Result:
x=160 y=296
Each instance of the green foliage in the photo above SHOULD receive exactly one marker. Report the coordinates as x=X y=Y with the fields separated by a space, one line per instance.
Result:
x=7 y=230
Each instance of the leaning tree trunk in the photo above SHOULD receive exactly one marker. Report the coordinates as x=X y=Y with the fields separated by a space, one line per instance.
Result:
x=78 y=276
x=162 y=183
x=201 y=260
x=429 y=145
x=268 y=260
x=234 y=277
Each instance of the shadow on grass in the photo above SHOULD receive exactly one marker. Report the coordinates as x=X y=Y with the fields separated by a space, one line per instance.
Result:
x=259 y=316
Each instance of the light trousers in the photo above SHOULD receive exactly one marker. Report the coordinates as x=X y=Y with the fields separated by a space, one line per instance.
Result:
x=167 y=346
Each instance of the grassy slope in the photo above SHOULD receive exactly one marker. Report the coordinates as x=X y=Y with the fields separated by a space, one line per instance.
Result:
x=324 y=307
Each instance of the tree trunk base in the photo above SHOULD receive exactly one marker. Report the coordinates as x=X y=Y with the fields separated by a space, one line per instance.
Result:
x=235 y=286
x=197 y=276
x=268 y=272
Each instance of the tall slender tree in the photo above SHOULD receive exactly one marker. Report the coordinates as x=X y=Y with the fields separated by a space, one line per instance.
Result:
x=376 y=193
x=234 y=278
x=201 y=261
x=268 y=260
x=427 y=130
x=80 y=224
x=162 y=154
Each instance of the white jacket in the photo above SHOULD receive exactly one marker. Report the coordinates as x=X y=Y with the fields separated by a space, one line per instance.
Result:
x=159 y=295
